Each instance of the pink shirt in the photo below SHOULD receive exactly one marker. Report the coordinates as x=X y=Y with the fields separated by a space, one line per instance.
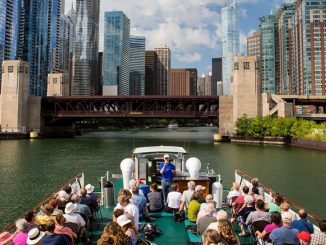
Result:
x=269 y=228
x=64 y=231
x=20 y=239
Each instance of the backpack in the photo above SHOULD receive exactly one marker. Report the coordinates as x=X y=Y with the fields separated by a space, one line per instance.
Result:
x=179 y=216
x=143 y=242
x=150 y=231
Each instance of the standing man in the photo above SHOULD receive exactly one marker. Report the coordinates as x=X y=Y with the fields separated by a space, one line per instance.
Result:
x=167 y=170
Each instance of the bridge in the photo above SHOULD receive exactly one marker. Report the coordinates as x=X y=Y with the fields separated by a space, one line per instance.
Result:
x=75 y=108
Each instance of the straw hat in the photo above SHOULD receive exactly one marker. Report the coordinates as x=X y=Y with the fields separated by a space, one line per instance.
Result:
x=34 y=236
x=70 y=208
x=89 y=188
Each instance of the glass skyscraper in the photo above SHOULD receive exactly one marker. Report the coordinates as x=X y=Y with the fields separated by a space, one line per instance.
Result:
x=230 y=42
x=85 y=54
x=137 y=66
x=116 y=53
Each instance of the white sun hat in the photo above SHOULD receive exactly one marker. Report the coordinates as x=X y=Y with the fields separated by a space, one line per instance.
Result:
x=123 y=220
x=34 y=236
x=70 y=207
x=89 y=188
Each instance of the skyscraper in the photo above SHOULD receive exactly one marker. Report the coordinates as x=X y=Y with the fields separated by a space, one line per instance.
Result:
x=39 y=40
x=151 y=73
x=163 y=69
x=116 y=53
x=137 y=66
x=216 y=75
x=85 y=54
x=230 y=41
x=9 y=30
x=183 y=82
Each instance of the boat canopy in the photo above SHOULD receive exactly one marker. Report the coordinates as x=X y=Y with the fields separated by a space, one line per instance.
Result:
x=159 y=149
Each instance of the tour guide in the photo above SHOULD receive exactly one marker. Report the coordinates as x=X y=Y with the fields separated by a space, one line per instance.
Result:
x=167 y=170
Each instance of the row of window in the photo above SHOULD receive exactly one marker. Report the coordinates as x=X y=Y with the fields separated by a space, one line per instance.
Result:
x=246 y=65
x=11 y=69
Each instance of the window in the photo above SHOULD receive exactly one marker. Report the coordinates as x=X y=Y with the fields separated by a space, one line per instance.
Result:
x=26 y=70
x=21 y=69
x=246 y=65
x=2 y=69
x=236 y=66
x=10 y=69
x=55 y=80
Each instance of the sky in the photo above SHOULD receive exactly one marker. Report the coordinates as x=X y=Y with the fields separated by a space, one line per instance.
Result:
x=190 y=28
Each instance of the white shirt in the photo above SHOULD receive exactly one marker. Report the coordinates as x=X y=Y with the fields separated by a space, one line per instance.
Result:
x=133 y=210
x=174 y=199
x=75 y=218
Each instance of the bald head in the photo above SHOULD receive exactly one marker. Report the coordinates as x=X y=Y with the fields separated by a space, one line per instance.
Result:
x=302 y=213
x=83 y=192
x=209 y=209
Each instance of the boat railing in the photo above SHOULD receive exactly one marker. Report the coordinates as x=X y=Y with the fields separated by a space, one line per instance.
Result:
x=76 y=182
x=245 y=180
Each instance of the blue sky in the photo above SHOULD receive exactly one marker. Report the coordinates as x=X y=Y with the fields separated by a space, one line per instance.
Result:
x=191 y=28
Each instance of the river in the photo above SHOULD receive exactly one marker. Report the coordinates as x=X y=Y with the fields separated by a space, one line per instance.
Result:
x=32 y=169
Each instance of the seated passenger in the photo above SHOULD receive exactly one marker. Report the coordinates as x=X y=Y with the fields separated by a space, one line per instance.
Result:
x=259 y=214
x=133 y=183
x=82 y=209
x=128 y=207
x=72 y=217
x=320 y=238
x=21 y=234
x=114 y=229
x=54 y=203
x=88 y=200
x=304 y=237
x=202 y=212
x=254 y=183
x=154 y=199
x=52 y=238
x=30 y=218
x=35 y=236
x=107 y=239
x=285 y=209
x=207 y=219
x=255 y=194
x=274 y=206
x=235 y=192
x=244 y=213
x=186 y=196
x=212 y=237
x=62 y=200
x=68 y=191
x=238 y=203
x=129 y=228
x=285 y=234
x=142 y=203
x=200 y=190
x=90 y=192
x=194 y=207
x=45 y=214
x=116 y=213
x=173 y=199
x=276 y=222
x=220 y=215
x=60 y=229
x=303 y=224
x=225 y=230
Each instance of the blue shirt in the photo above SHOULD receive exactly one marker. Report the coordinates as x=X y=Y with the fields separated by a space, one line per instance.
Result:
x=303 y=225
x=284 y=235
x=167 y=174
x=55 y=239
x=140 y=201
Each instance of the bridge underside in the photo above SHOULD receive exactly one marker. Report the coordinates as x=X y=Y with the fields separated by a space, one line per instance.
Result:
x=67 y=110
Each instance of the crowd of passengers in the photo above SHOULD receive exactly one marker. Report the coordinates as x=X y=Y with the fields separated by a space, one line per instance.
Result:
x=66 y=218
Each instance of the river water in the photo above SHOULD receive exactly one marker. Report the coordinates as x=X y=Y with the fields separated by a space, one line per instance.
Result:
x=32 y=169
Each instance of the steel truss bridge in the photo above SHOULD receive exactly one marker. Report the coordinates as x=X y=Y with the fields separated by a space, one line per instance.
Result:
x=72 y=108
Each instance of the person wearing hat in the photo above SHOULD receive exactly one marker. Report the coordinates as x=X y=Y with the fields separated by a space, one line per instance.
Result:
x=129 y=228
x=35 y=236
x=45 y=214
x=200 y=190
x=285 y=234
x=90 y=192
x=304 y=237
x=72 y=217
x=167 y=171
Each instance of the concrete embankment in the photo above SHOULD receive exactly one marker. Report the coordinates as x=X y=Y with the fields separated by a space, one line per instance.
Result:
x=13 y=136
x=306 y=143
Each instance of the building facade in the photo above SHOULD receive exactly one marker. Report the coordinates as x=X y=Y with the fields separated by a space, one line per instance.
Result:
x=163 y=69
x=85 y=52
x=217 y=76
x=116 y=53
x=137 y=65
x=230 y=41
x=254 y=45
x=58 y=84
x=204 y=85
x=183 y=82
x=151 y=73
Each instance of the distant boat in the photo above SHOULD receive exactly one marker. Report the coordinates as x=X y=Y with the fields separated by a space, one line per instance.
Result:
x=173 y=126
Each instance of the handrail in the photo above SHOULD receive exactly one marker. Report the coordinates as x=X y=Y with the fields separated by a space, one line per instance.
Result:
x=289 y=201
x=39 y=205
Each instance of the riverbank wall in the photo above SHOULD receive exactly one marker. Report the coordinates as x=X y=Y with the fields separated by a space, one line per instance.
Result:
x=311 y=144
x=13 y=136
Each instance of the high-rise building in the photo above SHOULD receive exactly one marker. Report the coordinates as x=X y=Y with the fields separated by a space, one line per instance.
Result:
x=183 y=82
x=99 y=83
x=309 y=28
x=254 y=45
x=230 y=41
x=116 y=53
x=137 y=65
x=285 y=48
x=269 y=53
x=9 y=30
x=163 y=69
x=85 y=54
x=151 y=73
x=39 y=40
x=216 y=75
x=204 y=84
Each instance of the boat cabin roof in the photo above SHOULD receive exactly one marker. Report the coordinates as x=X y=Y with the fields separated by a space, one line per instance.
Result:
x=159 y=149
